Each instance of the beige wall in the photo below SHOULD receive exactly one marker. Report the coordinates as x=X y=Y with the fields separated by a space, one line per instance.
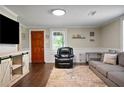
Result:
x=83 y=43
x=105 y=37
x=110 y=35
x=78 y=43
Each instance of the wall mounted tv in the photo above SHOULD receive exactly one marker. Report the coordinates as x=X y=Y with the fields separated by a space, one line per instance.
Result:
x=9 y=31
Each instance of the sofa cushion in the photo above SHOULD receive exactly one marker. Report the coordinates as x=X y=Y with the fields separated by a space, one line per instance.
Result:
x=117 y=77
x=121 y=58
x=110 y=59
x=95 y=63
x=105 y=68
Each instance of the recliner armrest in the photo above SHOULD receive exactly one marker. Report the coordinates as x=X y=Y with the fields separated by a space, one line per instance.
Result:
x=56 y=55
x=71 y=56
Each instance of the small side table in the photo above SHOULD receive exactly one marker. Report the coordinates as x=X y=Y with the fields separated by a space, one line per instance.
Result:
x=95 y=56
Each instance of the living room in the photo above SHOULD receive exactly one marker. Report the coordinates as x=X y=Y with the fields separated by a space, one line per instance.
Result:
x=97 y=29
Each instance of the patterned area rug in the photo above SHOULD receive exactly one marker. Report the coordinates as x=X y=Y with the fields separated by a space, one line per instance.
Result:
x=79 y=76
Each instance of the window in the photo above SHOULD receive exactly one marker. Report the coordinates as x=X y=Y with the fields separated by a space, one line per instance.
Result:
x=58 y=39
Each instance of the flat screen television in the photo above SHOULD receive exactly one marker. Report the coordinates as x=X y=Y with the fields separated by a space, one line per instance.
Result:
x=9 y=31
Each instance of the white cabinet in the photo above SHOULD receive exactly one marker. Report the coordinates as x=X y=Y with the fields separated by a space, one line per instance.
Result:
x=5 y=72
x=0 y=75
x=25 y=63
x=13 y=67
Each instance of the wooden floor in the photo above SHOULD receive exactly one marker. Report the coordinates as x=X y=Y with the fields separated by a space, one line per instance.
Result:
x=37 y=77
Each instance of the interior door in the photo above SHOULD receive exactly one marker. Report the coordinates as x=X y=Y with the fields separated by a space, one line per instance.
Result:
x=37 y=43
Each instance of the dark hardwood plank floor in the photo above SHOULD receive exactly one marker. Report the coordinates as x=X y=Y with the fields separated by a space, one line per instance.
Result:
x=37 y=77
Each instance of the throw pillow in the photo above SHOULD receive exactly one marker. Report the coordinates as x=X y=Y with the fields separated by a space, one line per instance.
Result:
x=110 y=59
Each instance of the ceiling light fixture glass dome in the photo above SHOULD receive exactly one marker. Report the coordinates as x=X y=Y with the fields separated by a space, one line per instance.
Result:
x=58 y=12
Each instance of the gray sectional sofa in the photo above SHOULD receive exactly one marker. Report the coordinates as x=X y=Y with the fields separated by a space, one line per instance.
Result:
x=112 y=75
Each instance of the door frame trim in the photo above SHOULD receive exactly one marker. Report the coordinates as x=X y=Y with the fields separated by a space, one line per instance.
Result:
x=34 y=30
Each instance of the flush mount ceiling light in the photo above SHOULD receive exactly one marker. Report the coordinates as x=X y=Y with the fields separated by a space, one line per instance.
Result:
x=91 y=13
x=58 y=12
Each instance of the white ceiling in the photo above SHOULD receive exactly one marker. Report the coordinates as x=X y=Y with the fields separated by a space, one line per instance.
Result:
x=76 y=15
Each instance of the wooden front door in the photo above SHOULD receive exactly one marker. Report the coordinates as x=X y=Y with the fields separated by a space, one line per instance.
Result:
x=37 y=44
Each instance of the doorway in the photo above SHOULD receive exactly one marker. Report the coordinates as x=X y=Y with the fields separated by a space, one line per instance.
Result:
x=37 y=46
